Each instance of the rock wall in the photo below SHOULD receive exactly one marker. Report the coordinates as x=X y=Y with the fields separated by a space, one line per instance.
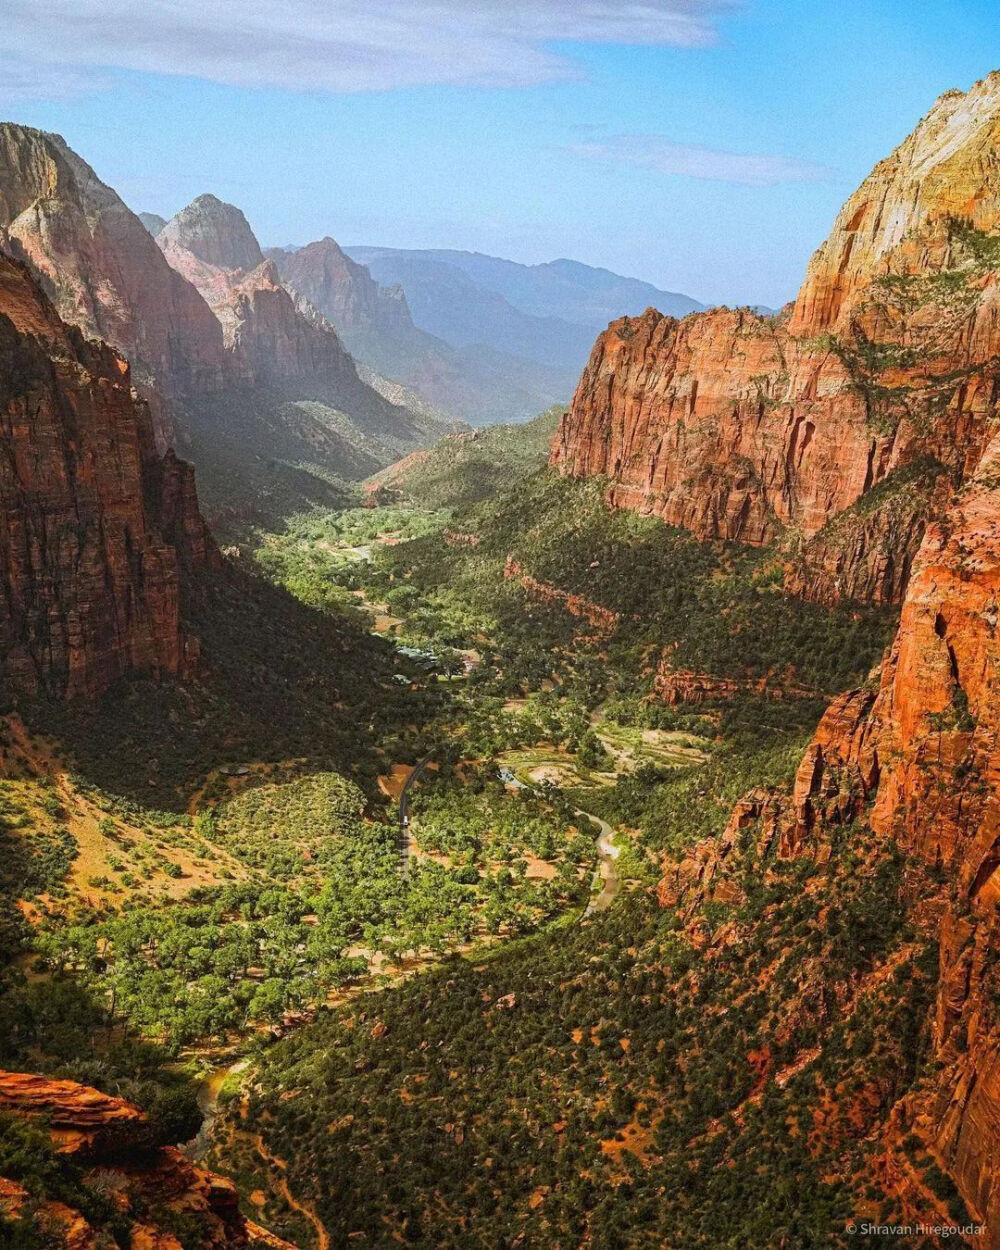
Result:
x=275 y=341
x=748 y=428
x=103 y=271
x=96 y=528
x=915 y=756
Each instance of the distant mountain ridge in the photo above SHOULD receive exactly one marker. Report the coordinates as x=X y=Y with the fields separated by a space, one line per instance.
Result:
x=478 y=382
x=486 y=339
x=566 y=290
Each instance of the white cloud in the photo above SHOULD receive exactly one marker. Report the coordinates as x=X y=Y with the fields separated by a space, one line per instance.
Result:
x=333 y=45
x=690 y=161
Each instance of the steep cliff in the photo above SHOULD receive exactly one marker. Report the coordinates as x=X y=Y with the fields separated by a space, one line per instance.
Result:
x=912 y=761
x=159 y=1194
x=102 y=270
x=742 y=427
x=95 y=527
x=319 y=406
x=222 y=357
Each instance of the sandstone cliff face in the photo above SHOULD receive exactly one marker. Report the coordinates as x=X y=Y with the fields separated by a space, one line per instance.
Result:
x=285 y=347
x=915 y=757
x=210 y=335
x=154 y=1187
x=745 y=428
x=924 y=752
x=102 y=270
x=897 y=219
x=95 y=527
x=213 y=232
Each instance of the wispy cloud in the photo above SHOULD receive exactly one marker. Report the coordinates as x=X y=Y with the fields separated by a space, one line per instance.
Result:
x=691 y=161
x=332 y=45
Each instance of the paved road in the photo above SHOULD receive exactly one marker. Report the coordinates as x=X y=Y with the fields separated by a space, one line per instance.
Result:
x=404 y=811
x=605 y=874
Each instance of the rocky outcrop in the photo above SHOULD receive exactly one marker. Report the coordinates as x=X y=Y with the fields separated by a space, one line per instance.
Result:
x=896 y=222
x=156 y=1189
x=916 y=757
x=721 y=424
x=103 y=271
x=931 y=741
x=213 y=232
x=603 y=621
x=742 y=427
x=96 y=528
x=284 y=346
x=80 y=1120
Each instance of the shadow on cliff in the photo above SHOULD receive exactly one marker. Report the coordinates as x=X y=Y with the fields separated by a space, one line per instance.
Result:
x=277 y=680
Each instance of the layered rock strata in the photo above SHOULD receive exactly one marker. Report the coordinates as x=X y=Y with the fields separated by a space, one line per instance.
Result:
x=156 y=1189
x=741 y=427
x=96 y=527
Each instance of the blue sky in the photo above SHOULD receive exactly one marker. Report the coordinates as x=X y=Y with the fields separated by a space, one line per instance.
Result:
x=704 y=145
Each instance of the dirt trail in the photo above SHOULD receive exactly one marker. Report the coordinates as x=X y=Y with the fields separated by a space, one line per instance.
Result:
x=322 y=1236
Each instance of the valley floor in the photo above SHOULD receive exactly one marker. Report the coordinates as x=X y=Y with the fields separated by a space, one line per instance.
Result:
x=404 y=949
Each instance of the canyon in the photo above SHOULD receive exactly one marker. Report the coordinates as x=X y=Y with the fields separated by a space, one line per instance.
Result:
x=475 y=381
x=850 y=442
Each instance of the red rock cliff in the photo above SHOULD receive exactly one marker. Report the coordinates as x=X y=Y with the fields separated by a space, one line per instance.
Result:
x=103 y=271
x=916 y=761
x=95 y=527
x=155 y=1188
x=742 y=427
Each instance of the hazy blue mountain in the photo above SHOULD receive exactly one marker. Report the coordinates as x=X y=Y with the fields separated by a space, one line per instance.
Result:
x=153 y=222
x=561 y=289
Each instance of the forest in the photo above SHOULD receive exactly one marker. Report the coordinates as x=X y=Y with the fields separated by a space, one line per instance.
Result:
x=521 y=639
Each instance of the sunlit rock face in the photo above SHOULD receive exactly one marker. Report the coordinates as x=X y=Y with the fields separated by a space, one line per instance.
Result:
x=748 y=428
x=104 y=272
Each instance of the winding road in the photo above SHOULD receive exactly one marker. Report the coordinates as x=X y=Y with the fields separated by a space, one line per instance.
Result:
x=404 y=812
x=605 y=874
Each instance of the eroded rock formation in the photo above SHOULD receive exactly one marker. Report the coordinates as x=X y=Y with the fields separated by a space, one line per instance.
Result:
x=282 y=345
x=95 y=526
x=743 y=427
x=156 y=1189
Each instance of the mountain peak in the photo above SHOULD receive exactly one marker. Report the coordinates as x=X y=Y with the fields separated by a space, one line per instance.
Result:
x=215 y=232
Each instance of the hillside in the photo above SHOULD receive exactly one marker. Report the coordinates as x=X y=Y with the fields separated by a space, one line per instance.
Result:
x=466 y=468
